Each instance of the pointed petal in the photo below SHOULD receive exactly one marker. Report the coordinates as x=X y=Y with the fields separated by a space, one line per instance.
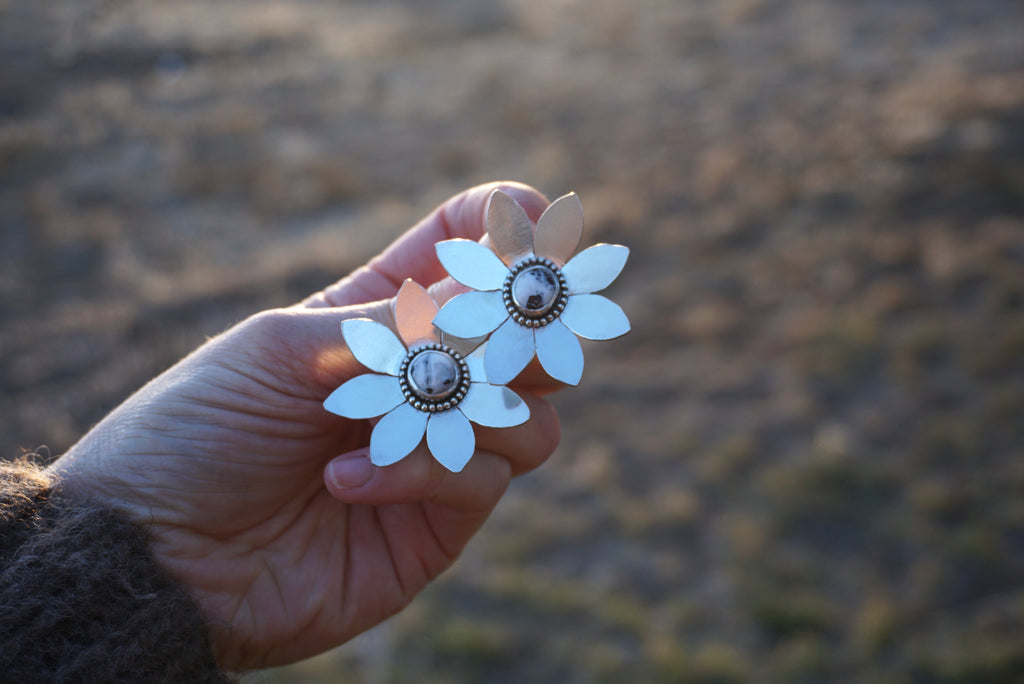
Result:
x=508 y=351
x=595 y=317
x=396 y=435
x=472 y=264
x=560 y=353
x=559 y=229
x=462 y=345
x=451 y=439
x=494 y=406
x=595 y=268
x=365 y=396
x=414 y=312
x=471 y=314
x=475 y=361
x=509 y=228
x=373 y=345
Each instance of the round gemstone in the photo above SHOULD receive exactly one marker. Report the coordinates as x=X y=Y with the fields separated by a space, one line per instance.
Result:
x=433 y=374
x=535 y=290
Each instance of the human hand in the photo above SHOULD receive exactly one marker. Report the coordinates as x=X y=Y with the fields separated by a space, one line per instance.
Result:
x=231 y=463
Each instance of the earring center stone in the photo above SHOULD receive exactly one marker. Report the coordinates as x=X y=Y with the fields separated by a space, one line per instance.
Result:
x=535 y=290
x=433 y=375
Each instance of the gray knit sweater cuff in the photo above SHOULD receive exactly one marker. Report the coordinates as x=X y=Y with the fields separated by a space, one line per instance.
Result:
x=81 y=599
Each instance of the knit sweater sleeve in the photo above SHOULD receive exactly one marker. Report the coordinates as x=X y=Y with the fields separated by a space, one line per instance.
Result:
x=82 y=600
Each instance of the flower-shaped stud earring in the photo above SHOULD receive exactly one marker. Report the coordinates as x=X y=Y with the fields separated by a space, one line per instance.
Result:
x=533 y=294
x=420 y=385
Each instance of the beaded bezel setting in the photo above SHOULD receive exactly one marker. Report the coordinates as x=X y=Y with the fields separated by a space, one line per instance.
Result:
x=528 y=317
x=432 y=403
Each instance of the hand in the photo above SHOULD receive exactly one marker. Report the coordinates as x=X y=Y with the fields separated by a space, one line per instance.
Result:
x=232 y=464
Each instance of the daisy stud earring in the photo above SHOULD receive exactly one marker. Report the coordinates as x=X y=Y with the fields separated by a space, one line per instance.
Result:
x=530 y=294
x=420 y=385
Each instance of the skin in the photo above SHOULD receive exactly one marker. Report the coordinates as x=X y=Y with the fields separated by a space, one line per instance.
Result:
x=264 y=505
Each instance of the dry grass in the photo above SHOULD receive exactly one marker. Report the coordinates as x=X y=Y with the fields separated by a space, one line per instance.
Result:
x=804 y=464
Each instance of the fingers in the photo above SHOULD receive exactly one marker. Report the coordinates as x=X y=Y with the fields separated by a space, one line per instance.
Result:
x=305 y=347
x=501 y=454
x=412 y=255
x=302 y=345
x=528 y=445
x=418 y=477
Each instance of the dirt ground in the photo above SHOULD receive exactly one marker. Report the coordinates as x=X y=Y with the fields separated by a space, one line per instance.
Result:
x=805 y=463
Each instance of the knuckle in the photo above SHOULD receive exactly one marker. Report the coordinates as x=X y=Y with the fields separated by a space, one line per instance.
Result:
x=271 y=335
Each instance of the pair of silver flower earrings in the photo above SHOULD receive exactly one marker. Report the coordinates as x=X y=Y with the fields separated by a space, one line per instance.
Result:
x=449 y=367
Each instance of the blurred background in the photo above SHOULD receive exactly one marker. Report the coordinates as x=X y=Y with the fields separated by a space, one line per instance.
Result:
x=805 y=463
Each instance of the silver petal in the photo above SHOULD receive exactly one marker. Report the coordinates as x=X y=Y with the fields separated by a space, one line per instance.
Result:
x=559 y=229
x=508 y=351
x=560 y=353
x=595 y=268
x=396 y=435
x=450 y=439
x=472 y=264
x=461 y=345
x=373 y=345
x=475 y=361
x=595 y=317
x=471 y=314
x=494 y=406
x=509 y=228
x=414 y=312
x=365 y=396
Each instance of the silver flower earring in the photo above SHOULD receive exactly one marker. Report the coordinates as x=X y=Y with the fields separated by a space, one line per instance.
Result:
x=420 y=385
x=531 y=295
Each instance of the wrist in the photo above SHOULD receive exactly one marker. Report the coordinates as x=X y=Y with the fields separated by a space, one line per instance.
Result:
x=83 y=598
x=101 y=469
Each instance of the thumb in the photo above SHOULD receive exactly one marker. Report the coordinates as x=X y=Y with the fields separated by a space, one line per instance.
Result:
x=302 y=343
x=412 y=255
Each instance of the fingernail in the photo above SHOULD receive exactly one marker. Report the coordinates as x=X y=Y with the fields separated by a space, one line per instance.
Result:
x=350 y=472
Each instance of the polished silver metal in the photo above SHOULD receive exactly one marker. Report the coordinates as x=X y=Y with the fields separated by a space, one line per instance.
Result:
x=462 y=345
x=560 y=229
x=373 y=345
x=595 y=268
x=560 y=353
x=471 y=314
x=529 y=308
x=397 y=434
x=472 y=264
x=494 y=406
x=366 y=396
x=508 y=352
x=450 y=439
x=420 y=385
x=475 y=361
x=595 y=317
x=515 y=239
x=414 y=311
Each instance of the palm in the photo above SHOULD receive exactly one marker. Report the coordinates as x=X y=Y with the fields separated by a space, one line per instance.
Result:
x=223 y=457
x=290 y=540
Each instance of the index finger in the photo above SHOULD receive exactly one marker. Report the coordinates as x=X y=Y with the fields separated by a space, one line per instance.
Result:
x=412 y=255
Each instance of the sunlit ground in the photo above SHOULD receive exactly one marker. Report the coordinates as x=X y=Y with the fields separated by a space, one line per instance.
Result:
x=806 y=462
